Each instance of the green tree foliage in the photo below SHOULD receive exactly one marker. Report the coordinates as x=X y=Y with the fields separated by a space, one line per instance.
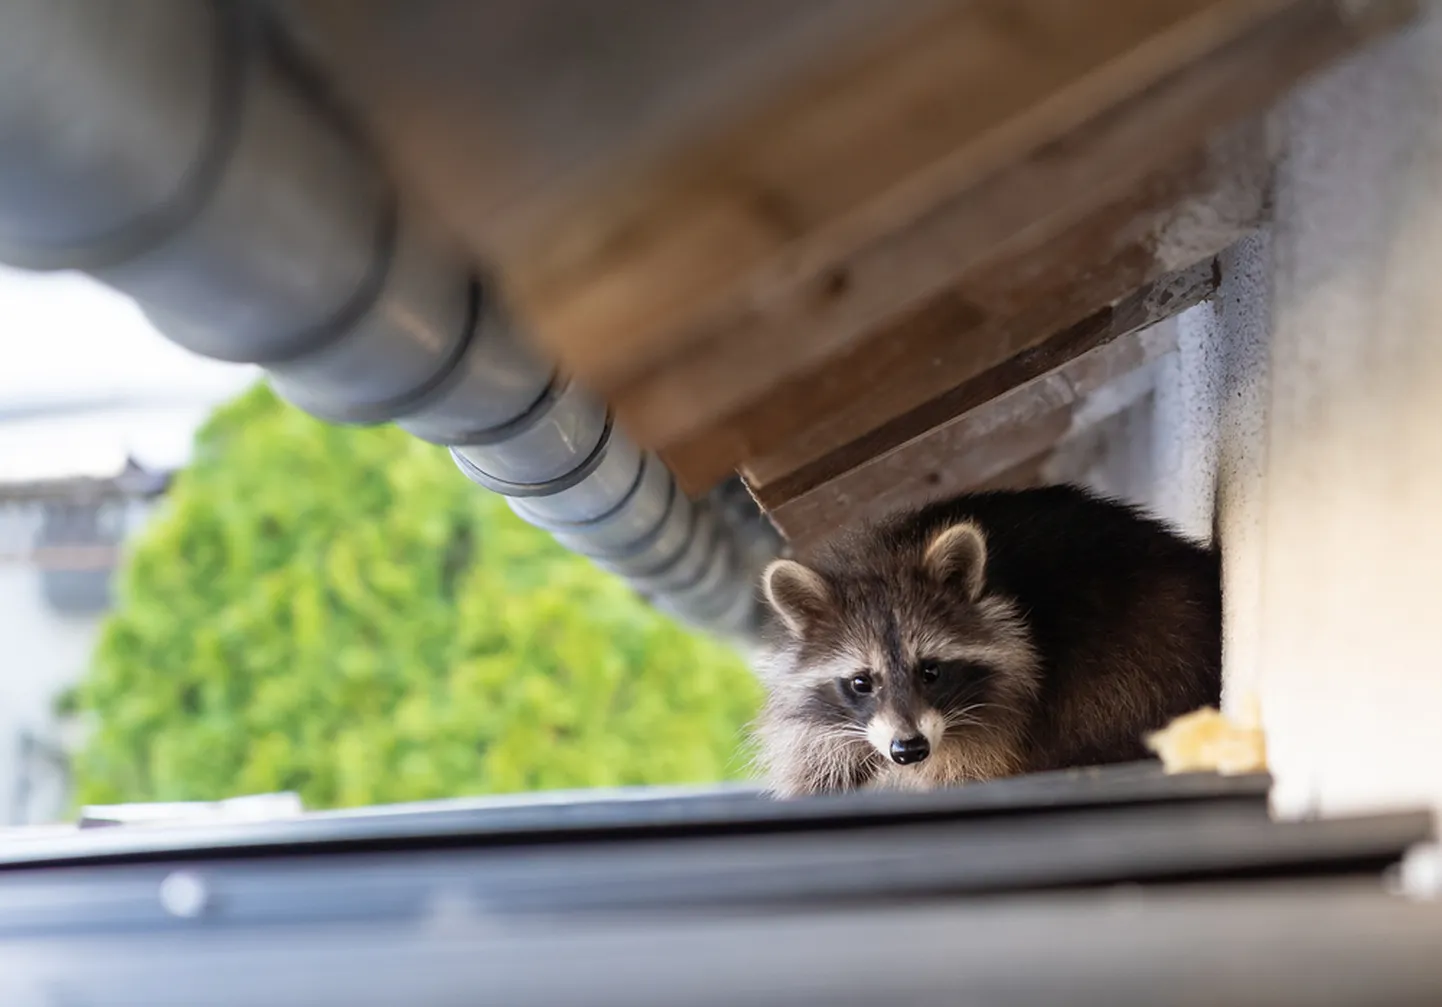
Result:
x=339 y=612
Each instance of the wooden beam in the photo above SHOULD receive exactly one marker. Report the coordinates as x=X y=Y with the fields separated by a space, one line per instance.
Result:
x=933 y=362
x=1159 y=299
x=1023 y=475
x=691 y=203
x=984 y=444
x=837 y=281
x=501 y=114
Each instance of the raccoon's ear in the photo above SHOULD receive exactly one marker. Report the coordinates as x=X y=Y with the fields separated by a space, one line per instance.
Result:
x=797 y=594
x=957 y=555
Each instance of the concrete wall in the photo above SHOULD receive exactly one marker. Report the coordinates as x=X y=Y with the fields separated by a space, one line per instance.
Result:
x=86 y=382
x=1209 y=437
x=1350 y=552
x=1300 y=418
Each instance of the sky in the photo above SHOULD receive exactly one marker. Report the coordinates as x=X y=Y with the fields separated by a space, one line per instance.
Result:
x=85 y=380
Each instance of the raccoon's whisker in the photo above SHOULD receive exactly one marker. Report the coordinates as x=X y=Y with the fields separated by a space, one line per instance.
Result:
x=965 y=714
x=833 y=756
x=977 y=725
x=842 y=734
x=973 y=721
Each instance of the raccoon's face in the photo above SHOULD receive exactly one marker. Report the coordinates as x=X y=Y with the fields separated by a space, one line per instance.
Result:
x=901 y=672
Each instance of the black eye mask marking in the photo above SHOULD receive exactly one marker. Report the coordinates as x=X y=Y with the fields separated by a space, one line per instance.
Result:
x=827 y=705
x=951 y=685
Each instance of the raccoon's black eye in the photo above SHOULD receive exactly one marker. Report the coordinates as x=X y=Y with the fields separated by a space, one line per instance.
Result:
x=859 y=684
x=930 y=672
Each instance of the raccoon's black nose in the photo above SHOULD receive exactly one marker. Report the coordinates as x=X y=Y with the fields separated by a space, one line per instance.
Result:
x=905 y=751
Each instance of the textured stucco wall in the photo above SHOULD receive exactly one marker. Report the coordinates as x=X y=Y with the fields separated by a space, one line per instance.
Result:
x=1299 y=420
x=1193 y=450
x=1209 y=441
x=1300 y=417
x=1349 y=555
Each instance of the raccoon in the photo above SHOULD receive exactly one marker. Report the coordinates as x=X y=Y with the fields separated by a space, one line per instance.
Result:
x=983 y=636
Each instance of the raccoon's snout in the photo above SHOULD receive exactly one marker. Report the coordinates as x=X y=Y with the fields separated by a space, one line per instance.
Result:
x=907 y=751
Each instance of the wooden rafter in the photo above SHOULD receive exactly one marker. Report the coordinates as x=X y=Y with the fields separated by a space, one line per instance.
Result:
x=802 y=239
x=991 y=441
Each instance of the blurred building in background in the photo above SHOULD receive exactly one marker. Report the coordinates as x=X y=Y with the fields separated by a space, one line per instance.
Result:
x=96 y=413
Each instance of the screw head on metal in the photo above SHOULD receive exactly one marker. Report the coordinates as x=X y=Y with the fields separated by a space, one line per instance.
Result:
x=184 y=894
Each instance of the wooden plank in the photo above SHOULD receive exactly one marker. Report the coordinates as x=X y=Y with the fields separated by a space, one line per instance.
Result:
x=1159 y=299
x=982 y=445
x=1097 y=426
x=984 y=456
x=834 y=287
x=830 y=179
x=1111 y=454
x=902 y=378
x=500 y=113
x=1024 y=475
x=618 y=286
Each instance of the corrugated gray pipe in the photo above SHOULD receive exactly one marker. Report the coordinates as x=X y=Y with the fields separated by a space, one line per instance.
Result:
x=171 y=149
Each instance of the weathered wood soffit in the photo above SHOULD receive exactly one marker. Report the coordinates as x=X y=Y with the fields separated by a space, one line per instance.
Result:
x=810 y=239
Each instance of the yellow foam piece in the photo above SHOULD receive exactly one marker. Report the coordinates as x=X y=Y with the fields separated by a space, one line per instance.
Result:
x=1206 y=740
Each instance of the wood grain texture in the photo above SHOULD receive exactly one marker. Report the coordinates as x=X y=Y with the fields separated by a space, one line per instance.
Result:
x=770 y=209
x=995 y=442
x=503 y=112
x=785 y=386
x=834 y=286
x=652 y=179
x=934 y=361
x=1161 y=298
x=754 y=227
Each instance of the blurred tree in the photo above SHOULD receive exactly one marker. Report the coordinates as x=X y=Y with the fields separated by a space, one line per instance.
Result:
x=339 y=612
